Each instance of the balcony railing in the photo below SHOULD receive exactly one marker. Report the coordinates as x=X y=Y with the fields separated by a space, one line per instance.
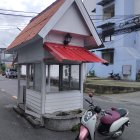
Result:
x=105 y=2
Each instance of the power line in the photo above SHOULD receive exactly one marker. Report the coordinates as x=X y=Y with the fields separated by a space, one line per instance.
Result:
x=17 y=11
x=19 y=15
x=123 y=18
x=9 y=25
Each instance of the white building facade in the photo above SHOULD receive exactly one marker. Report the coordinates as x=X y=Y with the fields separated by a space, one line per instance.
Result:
x=118 y=24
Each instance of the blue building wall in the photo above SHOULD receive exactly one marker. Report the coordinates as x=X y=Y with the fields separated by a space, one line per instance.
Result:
x=126 y=46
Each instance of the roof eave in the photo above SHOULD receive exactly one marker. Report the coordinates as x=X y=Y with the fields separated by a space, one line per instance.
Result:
x=37 y=37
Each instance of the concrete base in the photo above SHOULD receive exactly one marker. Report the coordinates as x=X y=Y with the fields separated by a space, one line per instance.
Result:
x=62 y=121
x=36 y=123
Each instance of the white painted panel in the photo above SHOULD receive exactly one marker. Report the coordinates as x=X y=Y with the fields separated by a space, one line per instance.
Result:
x=64 y=101
x=33 y=108
x=72 y=22
x=33 y=100
x=31 y=52
x=34 y=93
x=59 y=38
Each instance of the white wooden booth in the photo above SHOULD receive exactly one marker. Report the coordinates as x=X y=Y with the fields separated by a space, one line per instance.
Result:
x=48 y=47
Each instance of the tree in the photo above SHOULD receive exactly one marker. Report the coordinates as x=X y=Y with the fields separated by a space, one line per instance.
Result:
x=3 y=67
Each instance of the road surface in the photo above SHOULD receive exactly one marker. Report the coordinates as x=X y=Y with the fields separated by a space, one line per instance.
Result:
x=14 y=127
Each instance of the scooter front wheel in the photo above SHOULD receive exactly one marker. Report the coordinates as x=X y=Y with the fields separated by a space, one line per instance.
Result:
x=77 y=138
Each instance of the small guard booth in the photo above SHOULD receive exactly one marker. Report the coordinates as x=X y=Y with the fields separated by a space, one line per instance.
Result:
x=54 y=47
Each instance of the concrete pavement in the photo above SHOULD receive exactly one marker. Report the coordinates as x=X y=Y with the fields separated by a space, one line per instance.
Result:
x=133 y=97
x=14 y=127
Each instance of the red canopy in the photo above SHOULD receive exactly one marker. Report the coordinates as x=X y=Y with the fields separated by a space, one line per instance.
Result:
x=72 y=53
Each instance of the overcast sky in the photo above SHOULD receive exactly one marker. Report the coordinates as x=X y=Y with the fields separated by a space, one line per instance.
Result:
x=9 y=24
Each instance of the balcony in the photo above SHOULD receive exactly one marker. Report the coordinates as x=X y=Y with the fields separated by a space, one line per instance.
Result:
x=105 y=2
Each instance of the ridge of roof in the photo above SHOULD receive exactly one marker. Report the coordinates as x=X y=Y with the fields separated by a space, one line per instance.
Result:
x=36 y=24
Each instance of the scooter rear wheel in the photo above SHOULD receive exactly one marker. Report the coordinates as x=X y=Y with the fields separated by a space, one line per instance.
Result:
x=118 y=133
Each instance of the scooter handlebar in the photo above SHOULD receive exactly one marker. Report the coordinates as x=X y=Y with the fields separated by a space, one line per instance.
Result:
x=91 y=104
x=88 y=101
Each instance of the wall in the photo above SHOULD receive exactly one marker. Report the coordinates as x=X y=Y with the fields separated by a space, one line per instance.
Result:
x=126 y=46
x=59 y=38
x=64 y=101
x=72 y=22
x=119 y=61
x=33 y=100
x=31 y=52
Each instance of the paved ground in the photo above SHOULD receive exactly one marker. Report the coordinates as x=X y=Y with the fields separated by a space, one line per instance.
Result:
x=14 y=127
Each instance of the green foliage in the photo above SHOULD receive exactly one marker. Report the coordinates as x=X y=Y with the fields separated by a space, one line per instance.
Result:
x=75 y=128
x=92 y=73
x=3 y=67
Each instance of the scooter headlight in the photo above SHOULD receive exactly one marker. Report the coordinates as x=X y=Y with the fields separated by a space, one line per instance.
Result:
x=88 y=116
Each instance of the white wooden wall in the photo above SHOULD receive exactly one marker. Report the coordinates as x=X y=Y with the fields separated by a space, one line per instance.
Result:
x=33 y=100
x=64 y=101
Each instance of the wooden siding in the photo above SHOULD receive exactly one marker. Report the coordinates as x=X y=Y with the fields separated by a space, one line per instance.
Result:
x=33 y=100
x=65 y=101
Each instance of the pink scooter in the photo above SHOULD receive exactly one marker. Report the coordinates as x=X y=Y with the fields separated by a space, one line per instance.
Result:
x=112 y=122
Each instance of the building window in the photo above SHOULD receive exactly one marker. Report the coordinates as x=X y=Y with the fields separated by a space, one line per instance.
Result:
x=108 y=38
x=108 y=55
x=108 y=11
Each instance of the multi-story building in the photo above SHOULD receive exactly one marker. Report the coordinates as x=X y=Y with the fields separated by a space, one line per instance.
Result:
x=118 y=24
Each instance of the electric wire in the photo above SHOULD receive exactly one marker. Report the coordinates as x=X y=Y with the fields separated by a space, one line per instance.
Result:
x=119 y=17
x=17 y=11
x=19 y=15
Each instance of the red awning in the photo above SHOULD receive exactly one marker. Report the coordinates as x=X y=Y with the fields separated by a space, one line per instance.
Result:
x=72 y=53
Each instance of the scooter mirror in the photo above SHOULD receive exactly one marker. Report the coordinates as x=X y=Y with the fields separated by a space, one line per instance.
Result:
x=90 y=95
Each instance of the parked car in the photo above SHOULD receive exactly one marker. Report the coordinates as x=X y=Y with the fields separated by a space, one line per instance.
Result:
x=11 y=73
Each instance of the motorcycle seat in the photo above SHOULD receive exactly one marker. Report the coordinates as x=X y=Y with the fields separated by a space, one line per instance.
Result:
x=110 y=117
x=122 y=112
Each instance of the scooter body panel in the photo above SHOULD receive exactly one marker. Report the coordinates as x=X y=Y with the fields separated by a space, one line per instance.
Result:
x=118 y=123
x=90 y=124
x=83 y=133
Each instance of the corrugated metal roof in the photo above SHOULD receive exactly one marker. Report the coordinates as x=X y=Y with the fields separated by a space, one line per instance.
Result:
x=36 y=24
x=72 y=53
